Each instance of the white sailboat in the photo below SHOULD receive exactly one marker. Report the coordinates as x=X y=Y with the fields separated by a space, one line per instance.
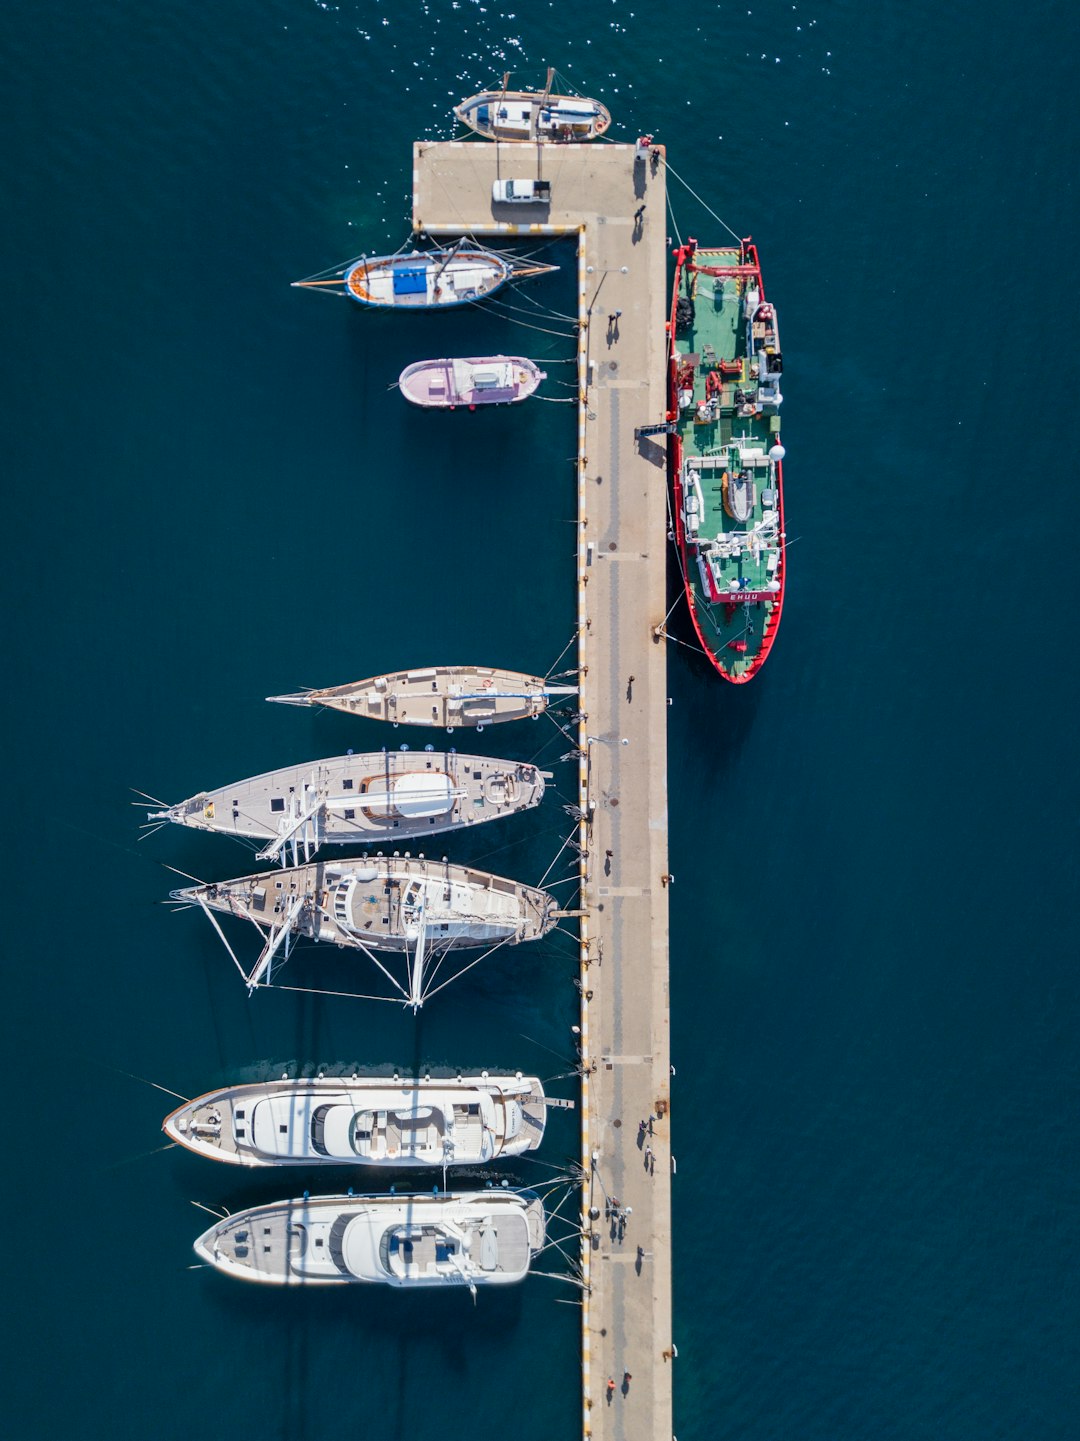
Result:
x=414 y=908
x=364 y=799
x=453 y=696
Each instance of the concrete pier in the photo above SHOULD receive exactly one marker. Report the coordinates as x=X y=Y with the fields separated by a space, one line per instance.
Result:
x=614 y=202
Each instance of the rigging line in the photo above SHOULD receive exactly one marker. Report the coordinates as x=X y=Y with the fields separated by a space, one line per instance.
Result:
x=559 y=1244
x=458 y=974
x=523 y=323
x=548 y=1166
x=569 y=1193
x=570 y=1280
x=679 y=597
x=141 y=1156
x=558 y=930
x=437 y=959
x=132 y=1076
x=501 y=304
x=698 y=198
x=533 y=1041
x=550 y=670
x=164 y=804
x=334 y=271
x=545 y=1188
x=566 y=734
x=674 y=222
x=558 y=853
x=675 y=639
x=546 y=746
x=318 y=991
x=372 y=957
x=510 y=312
x=221 y=1215
x=506 y=845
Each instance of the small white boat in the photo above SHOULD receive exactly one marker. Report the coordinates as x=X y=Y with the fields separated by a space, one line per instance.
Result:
x=364 y=1121
x=533 y=115
x=446 y=695
x=361 y=799
x=476 y=1238
x=485 y=380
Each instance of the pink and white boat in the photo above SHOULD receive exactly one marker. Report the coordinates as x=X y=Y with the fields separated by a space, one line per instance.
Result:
x=477 y=380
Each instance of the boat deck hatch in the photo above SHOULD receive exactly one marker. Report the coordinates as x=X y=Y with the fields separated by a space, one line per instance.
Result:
x=410 y=281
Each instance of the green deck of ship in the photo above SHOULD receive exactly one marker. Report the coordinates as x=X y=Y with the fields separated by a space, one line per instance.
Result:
x=712 y=343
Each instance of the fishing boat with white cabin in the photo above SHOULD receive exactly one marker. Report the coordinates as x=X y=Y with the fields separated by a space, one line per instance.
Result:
x=380 y=905
x=458 y=274
x=365 y=1121
x=475 y=1238
x=473 y=381
x=452 y=696
x=531 y=115
x=362 y=799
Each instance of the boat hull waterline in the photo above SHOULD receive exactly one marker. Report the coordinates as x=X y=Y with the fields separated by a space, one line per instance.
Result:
x=476 y=1238
x=725 y=455
x=449 y=696
x=364 y=1121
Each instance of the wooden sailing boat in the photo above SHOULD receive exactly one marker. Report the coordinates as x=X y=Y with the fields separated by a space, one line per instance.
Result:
x=450 y=696
x=459 y=274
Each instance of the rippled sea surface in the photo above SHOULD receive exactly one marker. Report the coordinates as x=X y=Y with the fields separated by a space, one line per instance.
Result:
x=213 y=496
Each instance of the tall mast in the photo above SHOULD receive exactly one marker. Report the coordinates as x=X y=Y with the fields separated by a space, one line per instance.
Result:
x=416 y=978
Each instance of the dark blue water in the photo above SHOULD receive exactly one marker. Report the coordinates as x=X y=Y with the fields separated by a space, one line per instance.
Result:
x=211 y=496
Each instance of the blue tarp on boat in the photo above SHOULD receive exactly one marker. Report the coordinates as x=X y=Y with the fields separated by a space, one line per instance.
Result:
x=410 y=280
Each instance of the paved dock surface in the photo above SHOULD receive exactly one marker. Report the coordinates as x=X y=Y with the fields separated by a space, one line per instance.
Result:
x=615 y=205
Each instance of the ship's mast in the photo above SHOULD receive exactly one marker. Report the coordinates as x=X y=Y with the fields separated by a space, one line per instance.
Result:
x=416 y=977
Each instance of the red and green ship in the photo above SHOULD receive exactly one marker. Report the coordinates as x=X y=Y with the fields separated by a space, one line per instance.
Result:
x=725 y=367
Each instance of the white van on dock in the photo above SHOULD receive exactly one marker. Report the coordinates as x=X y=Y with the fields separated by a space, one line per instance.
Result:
x=521 y=192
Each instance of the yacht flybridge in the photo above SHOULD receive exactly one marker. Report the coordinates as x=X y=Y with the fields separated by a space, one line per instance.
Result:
x=373 y=797
x=476 y=1238
x=415 y=907
x=365 y=1121
x=450 y=696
